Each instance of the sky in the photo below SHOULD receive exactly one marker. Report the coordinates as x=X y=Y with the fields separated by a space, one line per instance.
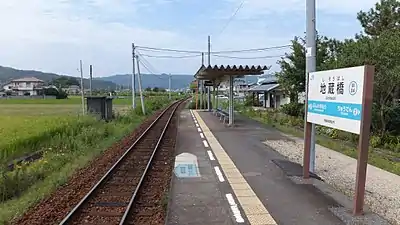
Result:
x=53 y=35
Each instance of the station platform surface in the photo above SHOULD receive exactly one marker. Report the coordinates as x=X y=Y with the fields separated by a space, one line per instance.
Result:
x=227 y=176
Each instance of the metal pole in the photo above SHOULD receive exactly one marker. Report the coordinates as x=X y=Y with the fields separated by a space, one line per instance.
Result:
x=140 y=86
x=208 y=88
x=209 y=50
x=230 y=100
x=91 y=78
x=310 y=67
x=169 y=86
x=133 y=77
x=82 y=90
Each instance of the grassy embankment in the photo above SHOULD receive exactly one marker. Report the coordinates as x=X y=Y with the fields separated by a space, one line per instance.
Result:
x=68 y=142
x=339 y=141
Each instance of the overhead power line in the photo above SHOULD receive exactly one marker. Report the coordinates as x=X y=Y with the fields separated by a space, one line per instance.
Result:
x=254 y=49
x=142 y=48
x=167 y=50
x=257 y=57
x=231 y=18
x=147 y=62
x=170 y=56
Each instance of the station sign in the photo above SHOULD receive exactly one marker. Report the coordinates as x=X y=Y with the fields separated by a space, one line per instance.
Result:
x=335 y=98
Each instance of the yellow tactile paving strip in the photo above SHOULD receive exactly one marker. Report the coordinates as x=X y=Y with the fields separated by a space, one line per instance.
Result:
x=255 y=211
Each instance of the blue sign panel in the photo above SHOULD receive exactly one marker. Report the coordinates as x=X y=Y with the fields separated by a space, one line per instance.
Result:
x=336 y=109
x=186 y=170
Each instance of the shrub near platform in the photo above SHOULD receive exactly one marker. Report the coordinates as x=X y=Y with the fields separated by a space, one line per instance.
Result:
x=334 y=139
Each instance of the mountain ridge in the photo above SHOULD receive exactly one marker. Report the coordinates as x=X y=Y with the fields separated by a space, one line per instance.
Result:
x=110 y=82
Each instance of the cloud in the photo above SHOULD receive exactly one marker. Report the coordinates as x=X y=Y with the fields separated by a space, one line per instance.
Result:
x=53 y=35
x=258 y=7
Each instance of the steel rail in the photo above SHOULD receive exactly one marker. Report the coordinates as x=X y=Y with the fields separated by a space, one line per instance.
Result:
x=94 y=188
x=128 y=208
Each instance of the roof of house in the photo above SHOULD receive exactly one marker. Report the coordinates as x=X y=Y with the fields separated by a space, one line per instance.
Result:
x=28 y=79
x=263 y=87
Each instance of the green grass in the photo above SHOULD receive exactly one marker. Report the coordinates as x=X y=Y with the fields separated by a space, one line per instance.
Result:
x=70 y=100
x=380 y=159
x=33 y=182
x=48 y=109
x=67 y=140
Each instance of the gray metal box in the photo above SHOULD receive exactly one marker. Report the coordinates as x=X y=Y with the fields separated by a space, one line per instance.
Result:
x=100 y=106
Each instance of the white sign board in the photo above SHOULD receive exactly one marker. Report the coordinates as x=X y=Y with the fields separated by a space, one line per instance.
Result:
x=335 y=98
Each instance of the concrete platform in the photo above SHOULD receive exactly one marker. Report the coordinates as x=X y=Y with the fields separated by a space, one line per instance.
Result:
x=198 y=196
x=272 y=196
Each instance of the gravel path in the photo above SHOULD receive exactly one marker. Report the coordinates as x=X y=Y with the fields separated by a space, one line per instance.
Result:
x=338 y=170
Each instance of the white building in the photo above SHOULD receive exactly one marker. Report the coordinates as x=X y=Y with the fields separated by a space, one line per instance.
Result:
x=270 y=94
x=28 y=86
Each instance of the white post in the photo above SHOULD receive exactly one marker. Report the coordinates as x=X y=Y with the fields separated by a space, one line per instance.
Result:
x=133 y=77
x=231 y=100
x=169 y=86
x=82 y=89
x=140 y=86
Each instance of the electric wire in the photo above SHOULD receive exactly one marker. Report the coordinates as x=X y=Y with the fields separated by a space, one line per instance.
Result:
x=256 y=57
x=170 y=56
x=230 y=19
x=214 y=52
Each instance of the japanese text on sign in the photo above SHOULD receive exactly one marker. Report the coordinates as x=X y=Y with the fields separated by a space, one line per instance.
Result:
x=335 y=97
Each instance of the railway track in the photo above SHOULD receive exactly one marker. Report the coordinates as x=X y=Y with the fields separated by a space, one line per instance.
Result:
x=114 y=199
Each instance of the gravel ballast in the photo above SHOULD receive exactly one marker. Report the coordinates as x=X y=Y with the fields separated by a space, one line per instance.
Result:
x=382 y=188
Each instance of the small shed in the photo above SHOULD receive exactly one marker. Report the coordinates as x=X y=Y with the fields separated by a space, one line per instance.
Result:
x=101 y=106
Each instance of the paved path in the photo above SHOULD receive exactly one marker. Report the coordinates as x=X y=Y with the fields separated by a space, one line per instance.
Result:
x=287 y=202
x=197 y=197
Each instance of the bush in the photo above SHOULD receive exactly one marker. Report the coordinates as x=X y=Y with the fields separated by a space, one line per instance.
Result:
x=192 y=104
x=293 y=109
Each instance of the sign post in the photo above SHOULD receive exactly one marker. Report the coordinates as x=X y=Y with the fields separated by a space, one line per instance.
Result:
x=342 y=99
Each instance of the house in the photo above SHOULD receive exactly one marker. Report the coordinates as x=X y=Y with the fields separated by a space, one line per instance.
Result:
x=269 y=94
x=27 y=86
x=73 y=89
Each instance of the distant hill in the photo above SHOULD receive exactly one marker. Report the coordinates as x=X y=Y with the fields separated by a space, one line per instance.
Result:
x=150 y=80
x=7 y=74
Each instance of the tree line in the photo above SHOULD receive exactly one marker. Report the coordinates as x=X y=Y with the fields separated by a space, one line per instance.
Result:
x=377 y=43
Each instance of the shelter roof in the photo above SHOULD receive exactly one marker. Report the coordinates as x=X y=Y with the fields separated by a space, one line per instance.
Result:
x=264 y=87
x=218 y=72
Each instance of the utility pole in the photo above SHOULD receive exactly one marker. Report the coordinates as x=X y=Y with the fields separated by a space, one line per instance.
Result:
x=140 y=86
x=169 y=86
x=209 y=64
x=311 y=33
x=201 y=83
x=133 y=77
x=91 y=77
x=82 y=90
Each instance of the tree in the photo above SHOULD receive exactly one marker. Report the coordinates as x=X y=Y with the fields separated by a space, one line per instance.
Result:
x=148 y=89
x=293 y=66
x=64 y=81
x=156 y=89
x=385 y=16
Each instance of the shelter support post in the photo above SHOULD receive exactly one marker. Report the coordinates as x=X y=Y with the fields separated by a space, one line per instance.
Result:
x=265 y=99
x=209 y=98
x=214 y=105
x=197 y=94
x=258 y=99
x=231 y=117
x=216 y=99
